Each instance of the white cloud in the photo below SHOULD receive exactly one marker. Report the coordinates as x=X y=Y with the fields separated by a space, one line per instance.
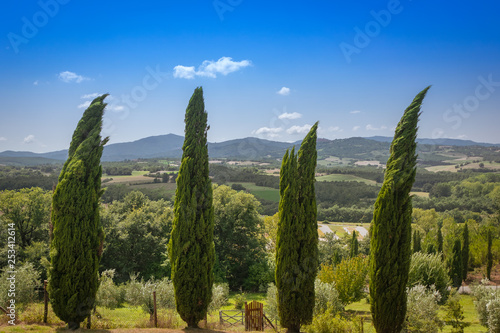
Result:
x=299 y=129
x=462 y=137
x=355 y=128
x=29 y=139
x=355 y=112
x=91 y=96
x=210 y=68
x=369 y=127
x=293 y=115
x=35 y=83
x=183 y=72
x=84 y=105
x=71 y=77
x=115 y=107
x=271 y=132
x=2 y=138
x=335 y=129
x=284 y=91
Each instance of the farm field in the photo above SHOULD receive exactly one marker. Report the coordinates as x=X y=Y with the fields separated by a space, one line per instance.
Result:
x=344 y=178
x=261 y=192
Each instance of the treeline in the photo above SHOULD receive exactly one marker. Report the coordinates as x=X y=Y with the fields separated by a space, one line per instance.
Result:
x=13 y=178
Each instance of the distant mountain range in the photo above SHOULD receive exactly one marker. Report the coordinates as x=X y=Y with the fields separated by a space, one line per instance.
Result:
x=170 y=145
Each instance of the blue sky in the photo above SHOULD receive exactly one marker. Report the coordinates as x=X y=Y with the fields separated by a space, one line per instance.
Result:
x=269 y=69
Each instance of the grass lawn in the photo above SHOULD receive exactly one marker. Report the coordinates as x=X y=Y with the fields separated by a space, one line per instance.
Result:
x=344 y=178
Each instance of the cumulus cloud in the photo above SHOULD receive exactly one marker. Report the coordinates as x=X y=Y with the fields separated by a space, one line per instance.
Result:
x=183 y=72
x=91 y=96
x=355 y=112
x=369 y=127
x=29 y=139
x=2 y=138
x=84 y=105
x=35 y=83
x=114 y=107
x=69 y=77
x=355 y=128
x=284 y=91
x=210 y=68
x=293 y=115
x=271 y=132
x=335 y=129
x=299 y=129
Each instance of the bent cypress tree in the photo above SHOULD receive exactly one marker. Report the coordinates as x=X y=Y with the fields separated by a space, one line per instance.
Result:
x=390 y=243
x=191 y=247
x=77 y=234
x=297 y=241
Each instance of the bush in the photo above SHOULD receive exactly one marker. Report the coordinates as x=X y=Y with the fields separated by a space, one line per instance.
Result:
x=349 y=277
x=487 y=305
x=109 y=295
x=455 y=314
x=272 y=302
x=429 y=270
x=327 y=298
x=327 y=322
x=220 y=294
x=422 y=310
x=27 y=279
x=140 y=293
x=239 y=300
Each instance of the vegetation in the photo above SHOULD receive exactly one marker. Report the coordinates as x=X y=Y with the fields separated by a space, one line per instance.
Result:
x=77 y=235
x=391 y=226
x=297 y=249
x=191 y=247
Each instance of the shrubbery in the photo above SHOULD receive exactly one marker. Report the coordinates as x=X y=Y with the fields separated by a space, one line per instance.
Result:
x=429 y=270
x=422 y=310
x=487 y=302
x=27 y=278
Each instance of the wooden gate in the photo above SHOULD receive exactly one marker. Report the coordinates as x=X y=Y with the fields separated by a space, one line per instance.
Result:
x=254 y=316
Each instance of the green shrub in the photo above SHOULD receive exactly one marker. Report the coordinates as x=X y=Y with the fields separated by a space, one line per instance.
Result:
x=487 y=302
x=109 y=295
x=239 y=300
x=220 y=294
x=455 y=314
x=327 y=322
x=429 y=270
x=493 y=309
x=26 y=279
x=350 y=279
x=140 y=293
x=422 y=311
x=327 y=298
x=271 y=308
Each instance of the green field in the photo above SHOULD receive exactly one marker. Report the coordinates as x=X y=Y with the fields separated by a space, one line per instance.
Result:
x=261 y=192
x=344 y=178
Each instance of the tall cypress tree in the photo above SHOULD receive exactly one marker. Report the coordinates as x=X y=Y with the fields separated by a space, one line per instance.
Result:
x=297 y=241
x=456 y=270
x=191 y=247
x=417 y=242
x=489 y=256
x=354 y=244
x=77 y=234
x=465 y=252
x=390 y=243
x=440 y=238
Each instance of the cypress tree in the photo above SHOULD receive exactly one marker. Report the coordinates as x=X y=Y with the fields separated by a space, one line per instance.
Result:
x=77 y=234
x=354 y=244
x=390 y=244
x=297 y=241
x=440 y=238
x=417 y=245
x=191 y=246
x=456 y=270
x=489 y=256
x=465 y=252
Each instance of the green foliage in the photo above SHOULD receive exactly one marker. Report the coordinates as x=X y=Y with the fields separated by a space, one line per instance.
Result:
x=486 y=301
x=297 y=240
x=77 y=235
x=191 y=246
x=140 y=293
x=239 y=300
x=327 y=298
x=430 y=271
x=422 y=313
x=220 y=295
x=331 y=250
x=328 y=322
x=271 y=307
x=439 y=239
x=456 y=270
x=391 y=227
x=26 y=279
x=137 y=232
x=109 y=295
x=417 y=242
x=354 y=246
x=454 y=314
x=238 y=239
x=465 y=252
x=349 y=278
x=489 y=256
